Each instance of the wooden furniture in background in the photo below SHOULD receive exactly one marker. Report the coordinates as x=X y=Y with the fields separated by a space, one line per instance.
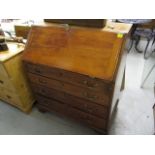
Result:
x=14 y=87
x=22 y=30
x=99 y=23
x=77 y=72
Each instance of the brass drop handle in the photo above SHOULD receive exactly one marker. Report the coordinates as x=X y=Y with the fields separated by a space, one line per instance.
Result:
x=60 y=74
x=89 y=85
x=1 y=81
x=85 y=105
x=42 y=82
x=61 y=83
x=37 y=70
x=85 y=81
x=89 y=119
x=90 y=110
x=90 y=96
x=42 y=90
x=9 y=97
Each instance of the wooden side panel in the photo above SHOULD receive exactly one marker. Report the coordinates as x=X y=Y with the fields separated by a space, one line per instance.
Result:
x=15 y=70
x=120 y=81
x=3 y=72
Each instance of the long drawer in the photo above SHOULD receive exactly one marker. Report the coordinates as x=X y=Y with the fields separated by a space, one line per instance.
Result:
x=89 y=107
x=102 y=98
x=70 y=77
x=10 y=97
x=61 y=108
x=5 y=82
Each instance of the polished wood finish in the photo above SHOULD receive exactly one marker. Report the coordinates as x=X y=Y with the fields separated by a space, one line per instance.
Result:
x=99 y=97
x=60 y=107
x=82 y=104
x=103 y=52
x=68 y=76
x=77 y=72
x=14 y=87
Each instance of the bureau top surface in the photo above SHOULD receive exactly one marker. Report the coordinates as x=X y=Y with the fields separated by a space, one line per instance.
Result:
x=14 y=49
x=91 y=52
x=109 y=27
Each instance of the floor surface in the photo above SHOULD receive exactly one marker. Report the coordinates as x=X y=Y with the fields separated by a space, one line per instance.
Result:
x=134 y=114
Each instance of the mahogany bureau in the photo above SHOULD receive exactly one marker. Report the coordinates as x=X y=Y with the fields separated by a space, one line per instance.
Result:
x=76 y=72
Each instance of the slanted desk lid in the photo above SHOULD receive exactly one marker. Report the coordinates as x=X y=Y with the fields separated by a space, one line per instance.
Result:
x=87 y=51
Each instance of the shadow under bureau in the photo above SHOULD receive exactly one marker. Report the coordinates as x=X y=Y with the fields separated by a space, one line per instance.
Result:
x=76 y=72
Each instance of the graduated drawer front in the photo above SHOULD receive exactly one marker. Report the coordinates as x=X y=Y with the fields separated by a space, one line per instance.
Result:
x=67 y=76
x=5 y=82
x=87 y=106
x=10 y=97
x=60 y=107
x=102 y=98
